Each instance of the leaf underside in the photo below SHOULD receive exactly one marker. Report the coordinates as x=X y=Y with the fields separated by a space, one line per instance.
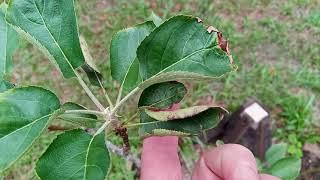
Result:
x=24 y=115
x=94 y=75
x=83 y=120
x=52 y=26
x=124 y=44
x=194 y=125
x=167 y=115
x=75 y=154
x=8 y=43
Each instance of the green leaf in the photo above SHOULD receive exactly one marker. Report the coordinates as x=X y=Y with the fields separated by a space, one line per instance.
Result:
x=89 y=67
x=259 y=165
x=94 y=76
x=182 y=48
x=8 y=43
x=180 y=127
x=124 y=44
x=52 y=26
x=24 y=115
x=84 y=120
x=276 y=152
x=75 y=155
x=5 y=85
x=286 y=168
x=167 y=115
x=162 y=95
x=155 y=19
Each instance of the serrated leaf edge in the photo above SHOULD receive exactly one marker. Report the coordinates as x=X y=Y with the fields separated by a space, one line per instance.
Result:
x=52 y=116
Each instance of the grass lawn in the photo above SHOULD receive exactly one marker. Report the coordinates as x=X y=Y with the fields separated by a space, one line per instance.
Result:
x=274 y=43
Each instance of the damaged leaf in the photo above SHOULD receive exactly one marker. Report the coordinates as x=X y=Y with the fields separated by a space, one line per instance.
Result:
x=194 y=125
x=162 y=95
x=183 y=47
x=167 y=115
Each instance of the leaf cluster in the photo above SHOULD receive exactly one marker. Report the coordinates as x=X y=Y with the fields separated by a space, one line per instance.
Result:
x=147 y=60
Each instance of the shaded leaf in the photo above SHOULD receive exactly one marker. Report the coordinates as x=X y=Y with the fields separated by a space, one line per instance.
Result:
x=167 y=115
x=8 y=43
x=75 y=155
x=259 y=164
x=286 y=168
x=93 y=75
x=124 y=44
x=52 y=26
x=5 y=85
x=89 y=67
x=162 y=95
x=182 y=48
x=24 y=115
x=155 y=19
x=181 y=127
x=276 y=152
x=85 y=120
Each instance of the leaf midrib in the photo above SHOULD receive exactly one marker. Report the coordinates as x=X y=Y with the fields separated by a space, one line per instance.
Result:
x=55 y=41
x=33 y=122
x=15 y=159
x=86 y=159
x=183 y=59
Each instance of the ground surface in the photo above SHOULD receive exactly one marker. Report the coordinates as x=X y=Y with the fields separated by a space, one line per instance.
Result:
x=275 y=44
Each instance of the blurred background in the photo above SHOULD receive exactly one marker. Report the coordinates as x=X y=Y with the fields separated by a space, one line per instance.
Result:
x=276 y=45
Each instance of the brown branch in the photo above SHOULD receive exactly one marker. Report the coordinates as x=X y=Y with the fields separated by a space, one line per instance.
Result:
x=121 y=152
x=57 y=128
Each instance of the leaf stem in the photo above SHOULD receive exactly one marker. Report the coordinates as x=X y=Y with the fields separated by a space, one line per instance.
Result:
x=120 y=94
x=102 y=128
x=120 y=151
x=118 y=105
x=105 y=93
x=89 y=93
x=131 y=118
x=98 y=113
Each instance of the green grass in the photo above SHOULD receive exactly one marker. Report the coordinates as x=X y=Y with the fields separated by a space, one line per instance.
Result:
x=275 y=44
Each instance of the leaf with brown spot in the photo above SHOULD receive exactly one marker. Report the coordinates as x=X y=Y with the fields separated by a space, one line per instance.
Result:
x=181 y=114
x=194 y=125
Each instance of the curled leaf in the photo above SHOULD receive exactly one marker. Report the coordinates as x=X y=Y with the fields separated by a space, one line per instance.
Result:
x=181 y=114
x=162 y=95
x=194 y=125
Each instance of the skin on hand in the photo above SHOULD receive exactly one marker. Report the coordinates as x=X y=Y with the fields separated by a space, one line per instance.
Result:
x=160 y=161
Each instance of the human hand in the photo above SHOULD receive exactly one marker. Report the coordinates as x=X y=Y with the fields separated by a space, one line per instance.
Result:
x=160 y=161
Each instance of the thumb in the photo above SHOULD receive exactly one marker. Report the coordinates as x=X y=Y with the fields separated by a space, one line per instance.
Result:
x=160 y=159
